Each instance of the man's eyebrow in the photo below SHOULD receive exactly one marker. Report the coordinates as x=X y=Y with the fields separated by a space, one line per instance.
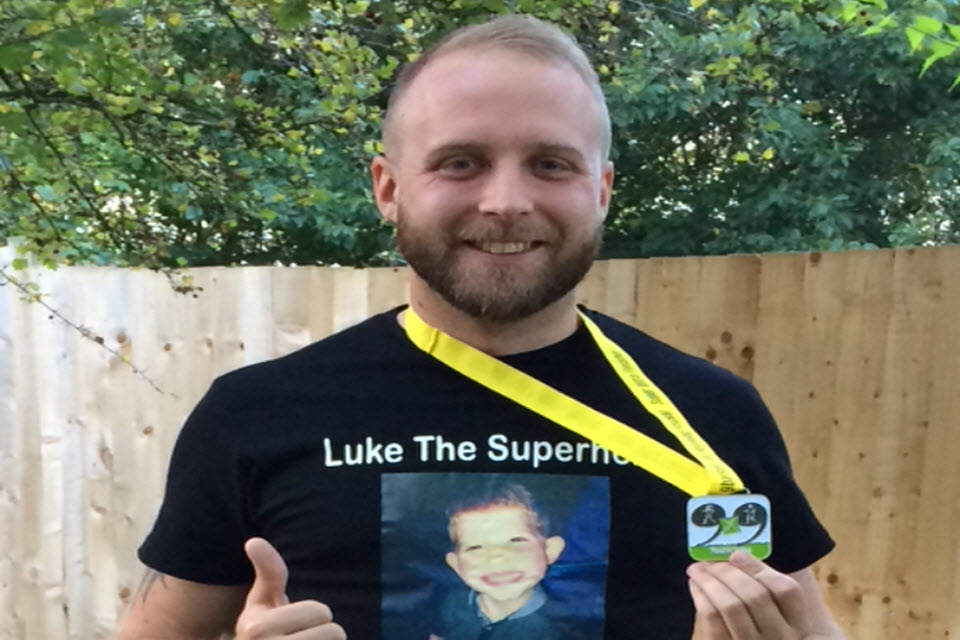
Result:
x=542 y=148
x=560 y=149
x=453 y=148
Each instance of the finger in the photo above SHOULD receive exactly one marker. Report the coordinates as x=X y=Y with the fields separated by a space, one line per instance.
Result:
x=784 y=590
x=736 y=601
x=757 y=600
x=291 y=619
x=331 y=631
x=708 y=623
x=270 y=581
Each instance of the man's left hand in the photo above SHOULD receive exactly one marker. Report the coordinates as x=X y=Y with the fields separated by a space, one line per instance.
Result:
x=745 y=599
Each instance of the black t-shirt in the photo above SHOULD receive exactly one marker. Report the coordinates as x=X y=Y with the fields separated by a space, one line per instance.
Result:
x=348 y=454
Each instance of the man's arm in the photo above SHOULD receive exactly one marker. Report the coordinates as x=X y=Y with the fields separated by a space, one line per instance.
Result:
x=745 y=598
x=167 y=608
x=174 y=609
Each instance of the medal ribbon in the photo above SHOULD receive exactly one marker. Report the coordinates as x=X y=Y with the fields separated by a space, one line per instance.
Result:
x=711 y=476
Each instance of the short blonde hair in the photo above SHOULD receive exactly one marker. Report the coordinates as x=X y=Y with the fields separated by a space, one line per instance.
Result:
x=515 y=32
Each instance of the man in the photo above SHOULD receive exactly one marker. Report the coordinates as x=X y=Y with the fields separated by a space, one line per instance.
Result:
x=496 y=176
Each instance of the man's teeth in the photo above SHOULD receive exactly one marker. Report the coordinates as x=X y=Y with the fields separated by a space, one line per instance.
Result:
x=505 y=247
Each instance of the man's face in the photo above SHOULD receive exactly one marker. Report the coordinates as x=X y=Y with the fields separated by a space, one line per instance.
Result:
x=496 y=181
x=500 y=554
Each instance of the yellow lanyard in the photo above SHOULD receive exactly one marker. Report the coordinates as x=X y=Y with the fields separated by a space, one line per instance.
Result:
x=711 y=476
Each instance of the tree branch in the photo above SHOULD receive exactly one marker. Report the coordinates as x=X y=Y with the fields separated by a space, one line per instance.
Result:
x=83 y=331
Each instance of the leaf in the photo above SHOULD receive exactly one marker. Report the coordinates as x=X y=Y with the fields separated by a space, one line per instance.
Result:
x=928 y=25
x=850 y=11
x=15 y=56
x=357 y=8
x=696 y=4
x=915 y=38
x=292 y=15
x=15 y=122
x=71 y=38
x=19 y=264
x=939 y=49
x=888 y=22
x=47 y=193
x=955 y=82
x=112 y=16
x=741 y=157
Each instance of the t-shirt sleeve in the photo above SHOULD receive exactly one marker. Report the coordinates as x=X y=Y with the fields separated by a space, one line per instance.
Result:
x=201 y=526
x=760 y=457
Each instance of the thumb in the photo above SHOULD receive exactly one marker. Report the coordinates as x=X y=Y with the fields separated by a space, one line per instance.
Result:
x=270 y=581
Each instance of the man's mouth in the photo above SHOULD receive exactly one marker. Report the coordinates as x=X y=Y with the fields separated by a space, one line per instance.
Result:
x=500 y=578
x=500 y=248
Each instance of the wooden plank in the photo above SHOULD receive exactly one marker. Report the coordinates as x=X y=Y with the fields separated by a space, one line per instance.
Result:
x=350 y=303
x=728 y=301
x=12 y=415
x=620 y=290
x=925 y=569
x=666 y=309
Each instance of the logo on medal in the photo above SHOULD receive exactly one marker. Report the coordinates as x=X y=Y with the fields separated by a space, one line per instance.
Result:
x=719 y=525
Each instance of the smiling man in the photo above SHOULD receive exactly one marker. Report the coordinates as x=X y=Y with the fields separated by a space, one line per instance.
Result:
x=498 y=185
x=496 y=175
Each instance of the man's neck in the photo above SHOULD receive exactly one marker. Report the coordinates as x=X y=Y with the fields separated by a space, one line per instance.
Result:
x=543 y=328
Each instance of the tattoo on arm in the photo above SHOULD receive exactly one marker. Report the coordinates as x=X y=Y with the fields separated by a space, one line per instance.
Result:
x=149 y=578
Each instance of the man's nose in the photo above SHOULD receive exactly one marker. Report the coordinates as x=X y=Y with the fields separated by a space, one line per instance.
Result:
x=506 y=192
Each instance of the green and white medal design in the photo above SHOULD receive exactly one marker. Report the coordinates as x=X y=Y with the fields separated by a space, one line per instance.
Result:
x=718 y=525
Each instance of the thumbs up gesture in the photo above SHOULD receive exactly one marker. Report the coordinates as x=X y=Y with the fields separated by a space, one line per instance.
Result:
x=268 y=614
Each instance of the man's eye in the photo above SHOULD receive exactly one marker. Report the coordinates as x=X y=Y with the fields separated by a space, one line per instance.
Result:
x=460 y=165
x=551 y=166
x=518 y=539
x=473 y=547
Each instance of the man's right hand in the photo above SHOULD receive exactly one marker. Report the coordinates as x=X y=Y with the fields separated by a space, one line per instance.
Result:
x=268 y=614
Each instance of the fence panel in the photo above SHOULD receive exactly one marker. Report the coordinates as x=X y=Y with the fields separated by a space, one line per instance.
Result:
x=857 y=354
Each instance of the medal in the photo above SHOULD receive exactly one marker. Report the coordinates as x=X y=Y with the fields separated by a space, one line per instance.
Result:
x=718 y=525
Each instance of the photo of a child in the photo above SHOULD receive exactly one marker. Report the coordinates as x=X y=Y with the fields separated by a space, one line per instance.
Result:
x=507 y=575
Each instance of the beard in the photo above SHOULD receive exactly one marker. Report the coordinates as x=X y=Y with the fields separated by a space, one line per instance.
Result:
x=497 y=293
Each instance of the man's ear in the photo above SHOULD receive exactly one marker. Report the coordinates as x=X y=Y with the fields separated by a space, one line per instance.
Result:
x=453 y=561
x=384 y=188
x=554 y=546
x=606 y=187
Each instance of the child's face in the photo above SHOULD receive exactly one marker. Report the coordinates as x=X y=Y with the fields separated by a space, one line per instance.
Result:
x=499 y=552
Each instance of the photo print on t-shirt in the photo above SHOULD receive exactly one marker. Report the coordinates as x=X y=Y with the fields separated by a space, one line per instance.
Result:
x=466 y=556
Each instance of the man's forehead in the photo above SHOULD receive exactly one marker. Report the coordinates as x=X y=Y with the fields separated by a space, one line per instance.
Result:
x=479 y=61
x=450 y=91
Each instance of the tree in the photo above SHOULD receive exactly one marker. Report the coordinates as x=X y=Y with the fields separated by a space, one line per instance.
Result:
x=188 y=132
x=770 y=126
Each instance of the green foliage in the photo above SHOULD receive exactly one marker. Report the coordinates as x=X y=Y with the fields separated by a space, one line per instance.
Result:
x=170 y=133
x=773 y=126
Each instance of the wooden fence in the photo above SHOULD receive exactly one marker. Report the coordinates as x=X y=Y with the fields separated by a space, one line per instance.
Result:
x=857 y=354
